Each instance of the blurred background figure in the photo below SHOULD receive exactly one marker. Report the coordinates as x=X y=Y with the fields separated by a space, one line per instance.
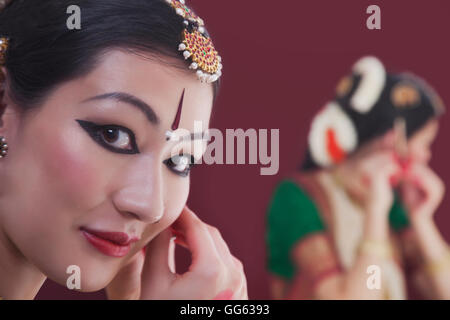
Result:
x=356 y=221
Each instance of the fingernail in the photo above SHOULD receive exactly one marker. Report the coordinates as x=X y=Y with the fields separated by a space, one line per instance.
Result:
x=406 y=164
x=225 y=295
x=180 y=242
x=393 y=180
x=176 y=233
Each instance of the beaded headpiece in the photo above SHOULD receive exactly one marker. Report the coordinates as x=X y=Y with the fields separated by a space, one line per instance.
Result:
x=4 y=41
x=368 y=103
x=3 y=47
x=196 y=45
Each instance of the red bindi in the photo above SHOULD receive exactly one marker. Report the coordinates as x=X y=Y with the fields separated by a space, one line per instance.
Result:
x=176 y=122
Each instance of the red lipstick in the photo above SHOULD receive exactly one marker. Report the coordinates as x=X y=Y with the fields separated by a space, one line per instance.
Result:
x=113 y=244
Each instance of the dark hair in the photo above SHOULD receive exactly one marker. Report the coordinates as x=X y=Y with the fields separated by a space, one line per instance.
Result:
x=43 y=53
x=382 y=116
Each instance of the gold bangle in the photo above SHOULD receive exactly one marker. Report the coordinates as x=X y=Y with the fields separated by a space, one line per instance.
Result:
x=440 y=265
x=381 y=249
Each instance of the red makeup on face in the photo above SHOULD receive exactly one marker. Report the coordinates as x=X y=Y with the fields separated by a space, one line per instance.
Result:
x=176 y=122
x=113 y=244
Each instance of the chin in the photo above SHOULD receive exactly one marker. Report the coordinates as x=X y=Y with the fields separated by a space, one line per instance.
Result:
x=91 y=280
x=79 y=272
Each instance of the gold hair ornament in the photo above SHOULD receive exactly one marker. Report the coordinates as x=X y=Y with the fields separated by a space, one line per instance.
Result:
x=4 y=43
x=196 y=45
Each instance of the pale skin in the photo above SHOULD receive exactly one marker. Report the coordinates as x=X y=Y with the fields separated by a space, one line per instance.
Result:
x=57 y=179
x=367 y=178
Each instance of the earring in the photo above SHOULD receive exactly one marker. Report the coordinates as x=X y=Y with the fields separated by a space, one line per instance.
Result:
x=3 y=147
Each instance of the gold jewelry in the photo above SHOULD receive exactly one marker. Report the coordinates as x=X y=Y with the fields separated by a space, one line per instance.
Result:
x=4 y=43
x=196 y=45
x=438 y=266
x=381 y=249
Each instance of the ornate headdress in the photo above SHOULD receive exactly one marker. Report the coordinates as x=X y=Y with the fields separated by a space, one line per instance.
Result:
x=196 y=45
x=368 y=103
x=4 y=41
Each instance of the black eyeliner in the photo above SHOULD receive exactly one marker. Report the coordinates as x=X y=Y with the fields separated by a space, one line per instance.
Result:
x=169 y=162
x=93 y=130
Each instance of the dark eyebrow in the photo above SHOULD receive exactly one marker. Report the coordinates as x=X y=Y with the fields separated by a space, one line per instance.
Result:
x=131 y=100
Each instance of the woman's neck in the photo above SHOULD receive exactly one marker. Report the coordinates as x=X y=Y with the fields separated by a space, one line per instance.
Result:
x=19 y=278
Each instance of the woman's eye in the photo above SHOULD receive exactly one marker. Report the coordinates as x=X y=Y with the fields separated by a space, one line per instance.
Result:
x=116 y=137
x=180 y=165
x=112 y=137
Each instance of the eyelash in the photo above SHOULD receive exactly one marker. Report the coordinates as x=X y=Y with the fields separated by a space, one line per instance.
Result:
x=96 y=131
x=171 y=164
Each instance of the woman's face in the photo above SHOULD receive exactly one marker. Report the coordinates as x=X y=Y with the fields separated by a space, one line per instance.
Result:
x=419 y=151
x=419 y=145
x=80 y=165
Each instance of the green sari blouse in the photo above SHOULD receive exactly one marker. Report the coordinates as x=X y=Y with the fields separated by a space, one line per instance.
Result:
x=293 y=215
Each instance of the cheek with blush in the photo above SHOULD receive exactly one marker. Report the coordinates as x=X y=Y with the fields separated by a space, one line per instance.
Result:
x=72 y=171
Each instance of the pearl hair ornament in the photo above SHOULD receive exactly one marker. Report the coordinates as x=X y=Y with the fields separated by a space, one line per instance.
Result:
x=196 y=45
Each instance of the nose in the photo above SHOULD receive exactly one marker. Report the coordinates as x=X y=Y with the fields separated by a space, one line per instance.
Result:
x=140 y=191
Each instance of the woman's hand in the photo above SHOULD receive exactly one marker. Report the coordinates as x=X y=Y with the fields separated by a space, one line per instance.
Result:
x=422 y=191
x=375 y=175
x=214 y=273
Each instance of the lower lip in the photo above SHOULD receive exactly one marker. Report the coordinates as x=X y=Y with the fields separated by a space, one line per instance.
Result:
x=107 y=247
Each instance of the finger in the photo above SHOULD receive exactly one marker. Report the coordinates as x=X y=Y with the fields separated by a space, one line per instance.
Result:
x=199 y=241
x=234 y=277
x=385 y=173
x=241 y=293
x=221 y=246
x=156 y=270
x=426 y=177
x=411 y=196
x=172 y=265
x=428 y=182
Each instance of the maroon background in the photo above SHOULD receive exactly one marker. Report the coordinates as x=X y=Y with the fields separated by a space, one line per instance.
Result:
x=282 y=62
